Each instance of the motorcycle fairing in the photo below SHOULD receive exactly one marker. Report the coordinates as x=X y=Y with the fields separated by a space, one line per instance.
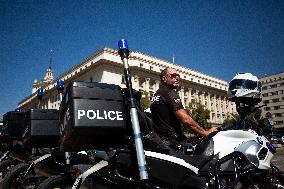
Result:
x=171 y=159
x=169 y=169
x=226 y=141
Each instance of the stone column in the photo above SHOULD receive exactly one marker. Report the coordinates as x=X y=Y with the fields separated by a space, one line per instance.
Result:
x=215 y=108
x=196 y=95
x=157 y=84
x=222 y=107
x=189 y=95
x=135 y=82
x=181 y=93
x=219 y=109
x=203 y=98
x=209 y=101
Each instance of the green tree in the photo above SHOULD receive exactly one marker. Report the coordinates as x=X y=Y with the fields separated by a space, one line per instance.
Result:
x=230 y=120
x=199 y=113
x=253 y=121
x=145 y=100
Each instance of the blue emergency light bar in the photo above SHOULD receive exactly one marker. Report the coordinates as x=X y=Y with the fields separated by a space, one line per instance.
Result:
x=60 y=84
x=122 y=44
x=39 y=92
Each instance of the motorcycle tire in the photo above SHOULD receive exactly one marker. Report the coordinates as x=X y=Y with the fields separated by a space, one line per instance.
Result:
x=5 y=167
x=57 y=181
x=14 y=177
x=52 y=182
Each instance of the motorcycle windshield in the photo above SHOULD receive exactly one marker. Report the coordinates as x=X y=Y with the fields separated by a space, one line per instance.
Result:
x=242 y=84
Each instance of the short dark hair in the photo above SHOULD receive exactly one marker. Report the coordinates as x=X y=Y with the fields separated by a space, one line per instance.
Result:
x=163 y=73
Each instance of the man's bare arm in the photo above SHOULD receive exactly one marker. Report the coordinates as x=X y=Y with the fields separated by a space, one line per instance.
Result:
x=186 y=120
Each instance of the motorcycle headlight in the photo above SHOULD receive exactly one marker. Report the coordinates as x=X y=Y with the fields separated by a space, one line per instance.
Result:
x=271 y=148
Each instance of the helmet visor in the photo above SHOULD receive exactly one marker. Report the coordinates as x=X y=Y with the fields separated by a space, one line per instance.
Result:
x=242 y=84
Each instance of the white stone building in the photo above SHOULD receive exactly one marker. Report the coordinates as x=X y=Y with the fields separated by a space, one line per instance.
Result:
x=273 y=98
x=105 y=66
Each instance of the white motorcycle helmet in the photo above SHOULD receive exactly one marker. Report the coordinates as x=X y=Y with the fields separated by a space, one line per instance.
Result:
x=245 y=88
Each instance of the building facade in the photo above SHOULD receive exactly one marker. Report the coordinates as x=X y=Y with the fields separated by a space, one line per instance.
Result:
x=105 y=66
x=273 y=99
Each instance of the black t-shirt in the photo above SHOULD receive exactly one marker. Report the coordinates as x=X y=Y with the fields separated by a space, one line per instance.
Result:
x=164 y=104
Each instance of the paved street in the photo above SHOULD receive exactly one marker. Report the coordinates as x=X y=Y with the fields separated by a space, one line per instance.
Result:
x=278 y=158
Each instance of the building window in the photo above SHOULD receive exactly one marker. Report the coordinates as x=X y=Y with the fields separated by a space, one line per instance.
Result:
x=266 y=101
x=267 y=108
x=91 y=79
x=265 y=94
x=273 y=93
x=278 y=115
x=273 y=86
x=276 y=107
x=275 y=100
x=278 y=122
x=264 y=88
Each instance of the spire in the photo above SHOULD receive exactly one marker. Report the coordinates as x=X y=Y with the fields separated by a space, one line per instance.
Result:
x=49 y=72
x=50 y=58
x=48 y=75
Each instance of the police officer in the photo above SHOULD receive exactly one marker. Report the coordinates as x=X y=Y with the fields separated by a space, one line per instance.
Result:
x=168 y=113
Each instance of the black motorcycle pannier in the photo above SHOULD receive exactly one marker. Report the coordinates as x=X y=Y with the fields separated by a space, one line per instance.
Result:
x=42 y=128
x=14 y=124
x=92 y=115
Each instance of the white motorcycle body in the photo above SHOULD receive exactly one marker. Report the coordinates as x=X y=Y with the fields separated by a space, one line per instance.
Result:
x=248 y=142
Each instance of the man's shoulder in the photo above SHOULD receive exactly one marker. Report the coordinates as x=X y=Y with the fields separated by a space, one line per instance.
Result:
x=164 y=91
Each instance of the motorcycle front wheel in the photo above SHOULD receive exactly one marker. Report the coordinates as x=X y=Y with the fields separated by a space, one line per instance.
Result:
x=55 y=181
x=5 y=166
x=16 y=178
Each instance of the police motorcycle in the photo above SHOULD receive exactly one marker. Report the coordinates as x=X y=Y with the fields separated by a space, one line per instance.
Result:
x=226 y=159
x=94 y=115
x=37 y=135
x=41 y=133
x=11 y=144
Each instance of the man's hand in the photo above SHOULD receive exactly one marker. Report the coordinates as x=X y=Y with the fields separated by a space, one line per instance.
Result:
x=213 y=129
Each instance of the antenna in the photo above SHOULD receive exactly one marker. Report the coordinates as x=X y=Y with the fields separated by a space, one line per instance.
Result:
x=50 y=58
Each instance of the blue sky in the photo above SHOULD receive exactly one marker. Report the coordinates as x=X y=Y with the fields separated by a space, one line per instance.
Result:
x=219 y=38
